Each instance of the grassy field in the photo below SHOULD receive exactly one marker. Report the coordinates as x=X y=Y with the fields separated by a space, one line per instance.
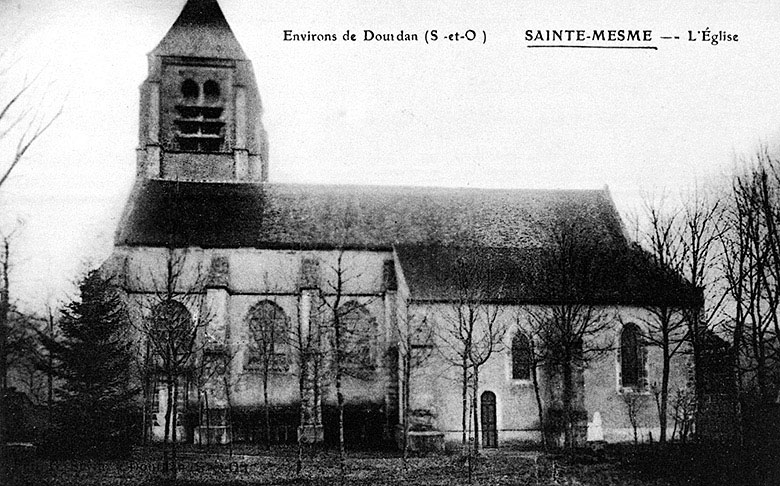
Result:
x=250 y=466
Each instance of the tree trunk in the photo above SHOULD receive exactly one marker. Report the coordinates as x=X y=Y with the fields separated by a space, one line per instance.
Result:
x=539 y=408
x=662 y=411
x=174 y=423
x=475 y=406
x=166 y=434
x=567 y=405
x=697 y=371
x=265 y=404
x=302 y=371
x=340 y=401
x=200 y=418
x=407 y=373
x=208 y=420
x=342 y=449
x=229 y=411
x=464 y=396
x=50 y=376
x=4 y=309
x=145 y=411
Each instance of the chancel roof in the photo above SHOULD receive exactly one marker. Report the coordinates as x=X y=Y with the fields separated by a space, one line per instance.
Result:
x=298 y=216
x=201 y=30
x=557 y=274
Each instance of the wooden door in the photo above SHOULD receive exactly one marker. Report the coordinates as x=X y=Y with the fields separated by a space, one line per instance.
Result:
x=489 y=430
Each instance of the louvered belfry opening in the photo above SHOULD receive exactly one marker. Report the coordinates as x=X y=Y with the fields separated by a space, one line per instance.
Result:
x=199 y=126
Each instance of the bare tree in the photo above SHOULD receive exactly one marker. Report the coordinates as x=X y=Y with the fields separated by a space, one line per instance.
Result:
x=338 y=345
x=24 y=117
x=51 y=329
x=23 y=120
x=306 y=344
x=25 y=355
x=472 y=331
x=533 y=358
x=635 y=404
x=349 y=338
x=666 y=323
x=175 y=337
x=683 y=411
x=751 y=268
x=702 y=227
x=570 y=336
x=415 y=346
x=570 y=331
x=268 y=331
x=5 y=312
x=212 y=368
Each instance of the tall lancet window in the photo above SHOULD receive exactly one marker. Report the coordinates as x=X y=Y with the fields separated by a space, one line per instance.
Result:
x=632 y=359
x=521 y=357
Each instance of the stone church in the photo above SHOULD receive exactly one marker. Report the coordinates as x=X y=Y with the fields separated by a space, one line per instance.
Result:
x=400 y=271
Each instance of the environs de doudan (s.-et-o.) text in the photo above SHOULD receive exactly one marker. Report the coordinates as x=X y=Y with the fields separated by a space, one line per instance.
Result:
x=368 y=35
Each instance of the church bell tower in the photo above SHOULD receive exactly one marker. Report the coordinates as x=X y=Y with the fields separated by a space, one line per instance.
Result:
x=200 y=108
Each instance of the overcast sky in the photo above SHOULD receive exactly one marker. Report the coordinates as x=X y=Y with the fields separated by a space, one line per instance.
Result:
x=497 y=114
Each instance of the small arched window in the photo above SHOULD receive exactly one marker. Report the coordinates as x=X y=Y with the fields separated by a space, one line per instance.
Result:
x=211 y=90
x=190 y=89
x=632 y=366
x=521 y=357
x=268 y=328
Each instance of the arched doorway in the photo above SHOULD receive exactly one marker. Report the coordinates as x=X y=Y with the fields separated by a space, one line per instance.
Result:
x=489 y=429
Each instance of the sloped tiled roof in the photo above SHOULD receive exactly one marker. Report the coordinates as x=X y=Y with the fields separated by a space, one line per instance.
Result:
x=598 y=275
x=297 y=216
x=201 y=30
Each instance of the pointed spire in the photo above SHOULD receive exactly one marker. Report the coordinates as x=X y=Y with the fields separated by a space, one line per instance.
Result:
x=200 y=31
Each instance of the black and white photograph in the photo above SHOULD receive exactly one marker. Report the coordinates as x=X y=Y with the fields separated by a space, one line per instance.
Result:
x=378 y=243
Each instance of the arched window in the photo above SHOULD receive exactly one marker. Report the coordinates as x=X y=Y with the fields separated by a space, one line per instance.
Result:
x=268 y=328
x=357 y=330
x=211 y=90
x=190 y=89
x=632 y=366
x=521 y=357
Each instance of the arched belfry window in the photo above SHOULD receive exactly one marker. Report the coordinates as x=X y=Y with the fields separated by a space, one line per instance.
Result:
x=521 y=357
x=268 y=328
x=199 y=125
x=211 y=90
x=632 y=359
x=190 y=89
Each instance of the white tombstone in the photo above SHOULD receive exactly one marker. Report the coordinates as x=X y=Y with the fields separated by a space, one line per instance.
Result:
x=595 y=430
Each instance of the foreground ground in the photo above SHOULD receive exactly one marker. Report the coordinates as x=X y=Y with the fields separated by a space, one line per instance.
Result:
x=250 y=466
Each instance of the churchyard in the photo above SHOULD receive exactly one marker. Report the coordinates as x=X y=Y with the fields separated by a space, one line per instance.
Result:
x=643 y=465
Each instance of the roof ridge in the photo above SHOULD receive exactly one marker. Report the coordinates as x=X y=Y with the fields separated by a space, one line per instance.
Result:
x=444 y=188
x=262 y=184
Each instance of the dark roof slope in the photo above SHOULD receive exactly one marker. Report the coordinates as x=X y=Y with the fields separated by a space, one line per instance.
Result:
x=295 y=216
x=201 y=30
x=589 y=274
